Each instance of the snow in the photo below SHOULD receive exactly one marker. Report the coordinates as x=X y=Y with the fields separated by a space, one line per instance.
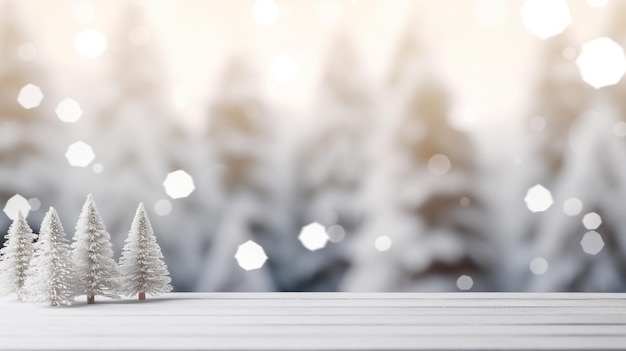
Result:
x=321 y=321
x=141 y=268
x=92 y=254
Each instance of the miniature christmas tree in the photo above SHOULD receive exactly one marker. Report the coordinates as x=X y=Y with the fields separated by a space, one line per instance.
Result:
x=141 y=265
x=16 y=255
x=93 y=256
x=50 y=276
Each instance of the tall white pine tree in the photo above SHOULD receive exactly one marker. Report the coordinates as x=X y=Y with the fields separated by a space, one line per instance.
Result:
x=424 y=210
x=240 y=136
x=16 y=256
x=331 y=166
x=142 y=268
x=50 y=278
x=93 y=256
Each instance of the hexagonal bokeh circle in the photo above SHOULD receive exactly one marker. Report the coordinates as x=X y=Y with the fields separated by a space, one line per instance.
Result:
x=592 y=243
x=601 y=62
x=15 y=204
x=538 y=198
x=30 y=96
x=79 y=154
x=313 y=236
x=250 y=256
x=546 y=18
x=178 y=184
x=592 y=220
x=68 y=111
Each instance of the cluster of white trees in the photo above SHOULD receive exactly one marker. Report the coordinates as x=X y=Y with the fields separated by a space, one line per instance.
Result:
x=48 y=270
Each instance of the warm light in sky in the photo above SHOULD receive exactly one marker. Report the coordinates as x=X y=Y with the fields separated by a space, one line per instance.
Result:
x=546 y=18
x=283 y=68
x=601 y=62
x=265 y=12
x=90 y=43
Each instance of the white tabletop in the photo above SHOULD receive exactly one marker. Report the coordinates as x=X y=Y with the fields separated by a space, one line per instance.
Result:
x=321 y=321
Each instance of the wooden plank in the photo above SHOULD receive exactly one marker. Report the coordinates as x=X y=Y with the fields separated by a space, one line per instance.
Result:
x=322 y=321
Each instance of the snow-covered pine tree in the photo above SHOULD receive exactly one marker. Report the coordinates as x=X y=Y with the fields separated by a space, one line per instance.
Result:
x=591 y=171
x=50 y=278
x=239 y=139
x=331 y=167
x=16 y=256
x=142 y=270
x=150 y=142
x=422 y=194
x=592 y=174
x=561 y=96
x=560 y=99
x=26 y=153
x=96 y=271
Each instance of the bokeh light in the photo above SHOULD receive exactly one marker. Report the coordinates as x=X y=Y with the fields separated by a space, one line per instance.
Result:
x=35 y=204
x=336 y=233
x=178 y=184
x=30 y=96
x=79 y=154
x=439 y=164
x=16 y=204
x=572 y=206
x=68 y=111
x=546 y=18
x=27 y=52
x=538 y=199
x=538 y=266
x=592 y=220
x=90 y=43
x=592 y=243
x=97 y=168
x=283 y=68
x=313 y=236
x=601 y=62
x=382 y=243
x=250 y=256
x=163 y=207
x=465 y=282
x=265 y=12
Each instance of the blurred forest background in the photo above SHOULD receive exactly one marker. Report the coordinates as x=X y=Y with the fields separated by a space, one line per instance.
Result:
x=329 y=145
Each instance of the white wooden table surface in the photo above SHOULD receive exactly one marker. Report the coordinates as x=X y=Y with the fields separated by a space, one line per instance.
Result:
x=322 y=321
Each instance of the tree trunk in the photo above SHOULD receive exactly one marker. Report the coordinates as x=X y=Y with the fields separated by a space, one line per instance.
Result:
x=19 y=296
x=91 y=299
x=142 y=295
x=52 y=303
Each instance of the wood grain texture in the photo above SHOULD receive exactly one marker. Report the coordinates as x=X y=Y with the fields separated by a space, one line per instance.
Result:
x=322 y=321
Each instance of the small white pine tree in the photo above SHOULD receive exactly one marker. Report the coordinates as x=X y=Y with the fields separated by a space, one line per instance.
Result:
x=16 y=255
x=96 y=271
x=142 y=267
x=50 y=277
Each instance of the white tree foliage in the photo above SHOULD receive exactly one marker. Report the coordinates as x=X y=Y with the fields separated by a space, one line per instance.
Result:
x=16 y=255
x=96 y=270
x=50 y=277
x=142 y=268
